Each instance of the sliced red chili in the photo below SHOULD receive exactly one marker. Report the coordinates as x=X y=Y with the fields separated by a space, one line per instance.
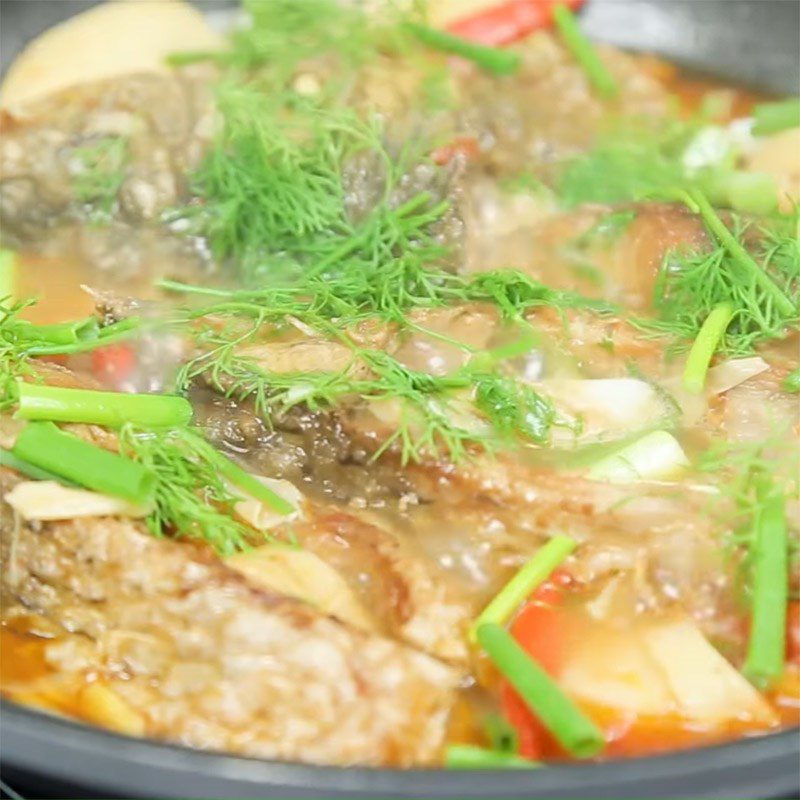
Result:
x=508 y=22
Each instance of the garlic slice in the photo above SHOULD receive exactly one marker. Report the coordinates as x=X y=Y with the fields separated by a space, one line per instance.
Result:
x=301 y=574
x=260 y=515
x=48 y=500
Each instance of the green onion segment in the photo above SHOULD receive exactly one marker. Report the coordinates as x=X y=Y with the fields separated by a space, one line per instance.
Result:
x=41 y=402
x=493 y=59
x=543 y=696
x=517 y=590
x=47 y=447
x=8 y=459
x=704 y=347
x=776 y=117
x=584 y=53
x=767 y=644
x=8 y=277
x=469 y=756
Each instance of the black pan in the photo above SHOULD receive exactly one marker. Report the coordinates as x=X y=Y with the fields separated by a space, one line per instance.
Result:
x=756 y=42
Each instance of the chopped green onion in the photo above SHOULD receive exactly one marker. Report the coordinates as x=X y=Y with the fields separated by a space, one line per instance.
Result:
x=469 y=756
x=536 y=570
x=60 y=333
x=114 y=409
x=656 y=456
x=776 y=117
x=244 y=480
x=8 y=459
x=704 y=347
x=584 y=53
x=543 y=696
x=89 y=337
x=186 y=57
x=751 y=192
x=8 y=277
x=791 y=383
x=766 y=647
x=699 y=202
x=44 y=445
x=502 y=735
x=500 y=62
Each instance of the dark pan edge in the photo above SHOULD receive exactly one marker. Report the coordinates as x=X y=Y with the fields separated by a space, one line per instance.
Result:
x=89 y=758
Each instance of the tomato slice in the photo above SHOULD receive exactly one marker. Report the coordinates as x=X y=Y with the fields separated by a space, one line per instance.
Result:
x=793 y=632
x=113 y=363
x=508 y=22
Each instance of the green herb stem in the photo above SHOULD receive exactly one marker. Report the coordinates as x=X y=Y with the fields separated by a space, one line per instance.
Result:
x=8 y=459
x=250 y=484
x=777 y=116
x=493 y=59
x=704 y=347
x=584 y=53
x=739 y=255
x=44 y=445
x=543 y=696
x=766 y=647
x=468 y=756
x=791 y=383
x=8 y=277
x=40 y=402
x=517 y=590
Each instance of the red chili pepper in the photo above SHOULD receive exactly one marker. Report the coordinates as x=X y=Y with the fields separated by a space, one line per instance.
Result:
x=508 y=22
x=466 y=146
x=113 y=363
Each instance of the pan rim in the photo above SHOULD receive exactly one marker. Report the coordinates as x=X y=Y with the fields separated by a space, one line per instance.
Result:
x=71 y=751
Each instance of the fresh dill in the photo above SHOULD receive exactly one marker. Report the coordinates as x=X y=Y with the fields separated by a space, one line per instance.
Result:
x=630 y=164
x=192 y=498
x=689 y=286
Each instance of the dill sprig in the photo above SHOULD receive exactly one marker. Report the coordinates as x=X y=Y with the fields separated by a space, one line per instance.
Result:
x=192 y=498
x=432 y=408
x=689 y=286
x=630 y=163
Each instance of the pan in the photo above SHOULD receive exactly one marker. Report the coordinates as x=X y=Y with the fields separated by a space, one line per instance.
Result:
x=754 y=42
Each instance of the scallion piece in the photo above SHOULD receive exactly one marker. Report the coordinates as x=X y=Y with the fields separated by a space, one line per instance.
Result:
x=38 y=401
x=469 y=756
x=8 y=277
x=43 y=445
x=543 y=696
x=791 y=383
x=767 y=644
x=8 y=459
x=500 y=62
x=738 y=254
x=751 y=192
x=524 y=582
x=777 y=116
x=90 y=338
x=704 y=347
x=244 y=480
x=584 y=53
x=59 y=333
